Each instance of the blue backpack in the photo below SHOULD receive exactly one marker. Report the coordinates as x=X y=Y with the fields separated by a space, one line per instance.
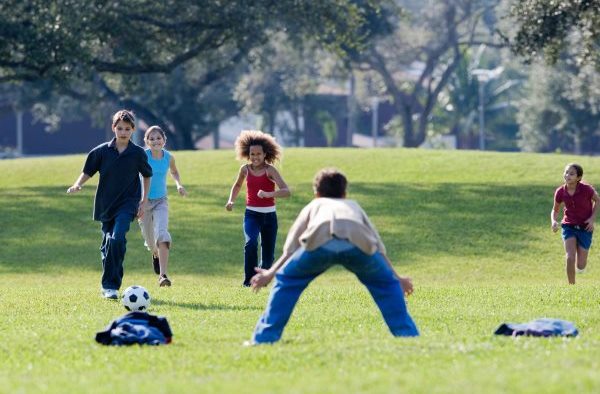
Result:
x=136 y=327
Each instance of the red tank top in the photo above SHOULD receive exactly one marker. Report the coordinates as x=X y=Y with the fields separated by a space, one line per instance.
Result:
x=256 y=183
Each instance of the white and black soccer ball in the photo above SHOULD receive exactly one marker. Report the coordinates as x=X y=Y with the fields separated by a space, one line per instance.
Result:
x=136 y=299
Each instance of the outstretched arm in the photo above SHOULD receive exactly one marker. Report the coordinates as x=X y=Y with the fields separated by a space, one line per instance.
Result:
x=235 y=189
x=263 y=277
x=405 y=281
x=175 y=175
x=78 y=183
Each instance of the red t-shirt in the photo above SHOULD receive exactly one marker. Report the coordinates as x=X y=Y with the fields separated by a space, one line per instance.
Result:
x=578 y=207
x=256 y=183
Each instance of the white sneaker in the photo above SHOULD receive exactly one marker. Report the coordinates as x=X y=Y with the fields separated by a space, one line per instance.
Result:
x=249 y=343
x=580 y=271
x=110 y=294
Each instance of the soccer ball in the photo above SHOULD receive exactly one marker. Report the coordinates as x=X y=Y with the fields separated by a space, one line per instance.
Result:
x=136 y=298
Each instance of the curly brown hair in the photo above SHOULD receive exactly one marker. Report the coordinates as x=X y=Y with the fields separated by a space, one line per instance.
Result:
x=248 y=138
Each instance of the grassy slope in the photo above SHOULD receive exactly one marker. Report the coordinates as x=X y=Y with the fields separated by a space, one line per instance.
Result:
x=470 y=228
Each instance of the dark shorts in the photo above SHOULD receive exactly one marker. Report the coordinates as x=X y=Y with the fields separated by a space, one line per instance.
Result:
x=583 y=237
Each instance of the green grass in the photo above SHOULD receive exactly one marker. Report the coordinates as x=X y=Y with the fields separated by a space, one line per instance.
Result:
x=472 y=229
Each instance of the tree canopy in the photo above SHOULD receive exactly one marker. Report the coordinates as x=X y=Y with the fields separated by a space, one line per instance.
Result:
x=547 y=27
x=163 y=59
x=65 y=40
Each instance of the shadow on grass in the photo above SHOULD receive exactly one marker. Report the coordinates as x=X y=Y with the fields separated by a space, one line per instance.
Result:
x=209 y=307
x=44 y=230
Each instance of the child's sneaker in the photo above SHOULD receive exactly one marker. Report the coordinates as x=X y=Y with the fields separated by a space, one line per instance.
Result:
x=163 y=281
x=156 y=265
x=110 y=294
x=580 y=271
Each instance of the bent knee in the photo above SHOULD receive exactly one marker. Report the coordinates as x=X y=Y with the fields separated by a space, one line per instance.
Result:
x=163 y=236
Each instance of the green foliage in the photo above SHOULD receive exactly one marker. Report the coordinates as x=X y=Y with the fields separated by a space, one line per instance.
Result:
x=560 y=109
x=457 y=109
x=67 y=40
x=471 y=228
x=328 y=126
x=175 y=63
x=416 y=62
x=545 y=28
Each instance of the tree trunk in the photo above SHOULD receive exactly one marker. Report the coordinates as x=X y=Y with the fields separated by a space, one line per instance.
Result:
x=408 y=136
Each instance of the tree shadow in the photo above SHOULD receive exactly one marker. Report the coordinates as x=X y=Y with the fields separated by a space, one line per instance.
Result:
x=203 y=307
x=44 y=230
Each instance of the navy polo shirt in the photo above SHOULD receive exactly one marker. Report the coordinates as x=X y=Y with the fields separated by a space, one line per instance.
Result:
x=119 y=187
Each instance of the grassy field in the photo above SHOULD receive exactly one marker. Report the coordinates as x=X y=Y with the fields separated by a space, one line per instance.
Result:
x=471 y=229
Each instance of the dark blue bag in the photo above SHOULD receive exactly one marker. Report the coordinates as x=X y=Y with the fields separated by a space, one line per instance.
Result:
x=539 y=328
x=136 y=327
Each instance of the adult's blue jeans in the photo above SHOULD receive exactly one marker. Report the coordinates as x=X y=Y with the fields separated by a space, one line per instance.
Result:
x=113 y=249
x=265 y=225
x=304 y=266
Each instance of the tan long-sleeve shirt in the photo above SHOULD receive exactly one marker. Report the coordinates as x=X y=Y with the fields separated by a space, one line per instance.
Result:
x=324 y=218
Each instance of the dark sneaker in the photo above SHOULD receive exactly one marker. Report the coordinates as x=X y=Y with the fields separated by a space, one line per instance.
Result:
x=156 y=265
x=163 y=281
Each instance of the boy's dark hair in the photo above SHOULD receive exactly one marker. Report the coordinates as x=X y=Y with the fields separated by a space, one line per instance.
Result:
x=577 y=167
x=125 y=116
x=329 y=182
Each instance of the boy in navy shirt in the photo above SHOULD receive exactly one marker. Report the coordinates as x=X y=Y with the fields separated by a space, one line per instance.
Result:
x=119 y=196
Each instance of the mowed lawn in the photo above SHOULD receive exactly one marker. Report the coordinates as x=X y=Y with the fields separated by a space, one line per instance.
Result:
x=471 y=229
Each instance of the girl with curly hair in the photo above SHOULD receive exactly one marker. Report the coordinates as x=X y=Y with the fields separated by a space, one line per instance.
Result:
x=260 y=218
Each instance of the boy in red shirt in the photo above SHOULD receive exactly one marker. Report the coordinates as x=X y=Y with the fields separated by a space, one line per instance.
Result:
x=580 y=201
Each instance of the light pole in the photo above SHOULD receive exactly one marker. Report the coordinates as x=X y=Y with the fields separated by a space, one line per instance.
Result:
x=483 y=77
x=19 y=116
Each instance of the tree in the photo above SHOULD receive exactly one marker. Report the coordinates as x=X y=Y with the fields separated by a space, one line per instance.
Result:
x=278 y=80
x=547 y=27
x=66 y=40
x=458 y=109
x=561 y=109
x=416 y=63
x=136 y=55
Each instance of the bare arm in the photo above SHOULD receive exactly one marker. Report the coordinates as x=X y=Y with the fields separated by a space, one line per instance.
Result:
x=83 y=178
x=264 y=277
x=235 y=189
x=282 y=187
x=144 y=200
x=590 y=222
x=175 y=175
x=405 y=281
x=292 y=243
x=553 y=216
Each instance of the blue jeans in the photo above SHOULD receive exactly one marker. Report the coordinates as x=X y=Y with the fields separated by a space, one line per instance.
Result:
x=256 y=223
x=113 y=249
x=304 y=266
